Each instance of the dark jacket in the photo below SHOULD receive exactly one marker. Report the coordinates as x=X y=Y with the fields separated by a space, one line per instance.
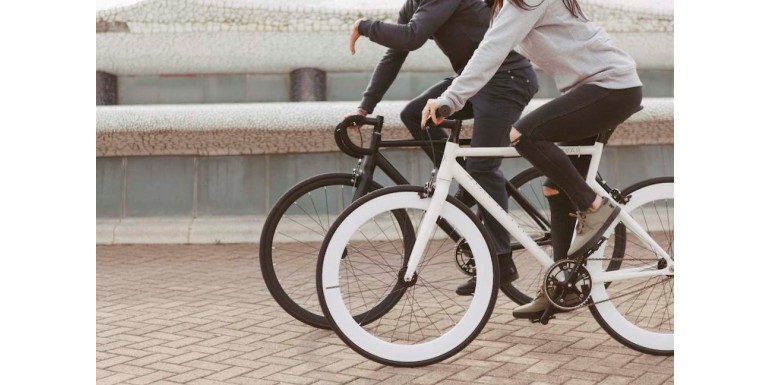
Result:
x=457 y=27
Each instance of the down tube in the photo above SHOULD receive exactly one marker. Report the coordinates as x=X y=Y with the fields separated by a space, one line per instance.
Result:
x=498 y=213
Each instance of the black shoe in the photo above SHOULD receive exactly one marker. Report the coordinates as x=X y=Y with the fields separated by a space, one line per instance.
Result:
x=468 y=288
x=508 y=274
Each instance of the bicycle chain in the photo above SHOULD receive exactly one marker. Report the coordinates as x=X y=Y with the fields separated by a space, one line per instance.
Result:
x=591 y=303
x=625 y=294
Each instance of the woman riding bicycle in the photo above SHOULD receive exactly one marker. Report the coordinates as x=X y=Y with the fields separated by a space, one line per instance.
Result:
x=600 y=89
x=457 y=27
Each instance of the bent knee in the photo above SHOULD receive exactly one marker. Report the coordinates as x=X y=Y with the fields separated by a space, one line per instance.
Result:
x=550 y=191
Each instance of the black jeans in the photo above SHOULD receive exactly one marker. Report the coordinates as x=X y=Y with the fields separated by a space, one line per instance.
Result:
x=571 y=119
x=494 y=109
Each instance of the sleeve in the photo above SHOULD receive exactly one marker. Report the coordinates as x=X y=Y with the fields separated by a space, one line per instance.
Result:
x=509 y=27
x=429 y=16
x=385 y=72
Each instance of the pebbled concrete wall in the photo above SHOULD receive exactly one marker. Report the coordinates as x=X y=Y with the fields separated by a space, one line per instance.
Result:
x=187 y=36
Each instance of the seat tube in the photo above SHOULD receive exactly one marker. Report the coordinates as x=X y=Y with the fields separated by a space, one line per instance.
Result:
x=593 y=167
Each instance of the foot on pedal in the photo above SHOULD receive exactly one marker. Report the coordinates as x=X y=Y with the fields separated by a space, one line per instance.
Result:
x=590 y=228
x=534 y=309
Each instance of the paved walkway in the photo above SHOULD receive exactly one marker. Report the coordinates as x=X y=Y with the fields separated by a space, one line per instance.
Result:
x=200 y=315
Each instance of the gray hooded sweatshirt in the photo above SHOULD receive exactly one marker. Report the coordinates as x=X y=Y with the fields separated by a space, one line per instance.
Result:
x=570 y=50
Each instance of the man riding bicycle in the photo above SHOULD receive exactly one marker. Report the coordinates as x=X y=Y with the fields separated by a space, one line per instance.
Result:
x=457 y=27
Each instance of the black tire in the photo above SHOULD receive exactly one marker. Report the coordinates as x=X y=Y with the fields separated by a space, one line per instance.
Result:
x=300 y=269
x=529 y=183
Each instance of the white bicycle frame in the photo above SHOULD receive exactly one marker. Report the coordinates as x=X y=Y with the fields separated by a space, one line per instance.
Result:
x=451 y=169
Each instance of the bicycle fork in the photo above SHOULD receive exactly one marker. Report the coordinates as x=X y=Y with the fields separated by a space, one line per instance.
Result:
x=428 y=225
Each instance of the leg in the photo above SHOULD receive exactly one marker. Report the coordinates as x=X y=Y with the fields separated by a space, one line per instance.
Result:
x=495 y=108
x=563 y=224
x=584 y=112
x=412 y=113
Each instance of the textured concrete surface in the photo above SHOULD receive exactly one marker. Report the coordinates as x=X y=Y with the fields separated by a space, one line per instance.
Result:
x=201 y=315
x=279 y=128
x=182 y=37
x=340 y=86
x=249 y=52
x=232 y=194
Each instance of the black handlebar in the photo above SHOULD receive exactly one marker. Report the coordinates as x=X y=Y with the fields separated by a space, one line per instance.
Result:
x=443 y=111
x=342 y=138
x=346 y=145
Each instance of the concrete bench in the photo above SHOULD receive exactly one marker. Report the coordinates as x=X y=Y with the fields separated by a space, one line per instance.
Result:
x=284 y=128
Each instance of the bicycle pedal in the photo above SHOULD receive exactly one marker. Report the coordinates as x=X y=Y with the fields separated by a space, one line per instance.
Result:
x=541 y=319
x=548 y=313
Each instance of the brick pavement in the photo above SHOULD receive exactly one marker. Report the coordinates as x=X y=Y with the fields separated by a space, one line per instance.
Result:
x=193 y=314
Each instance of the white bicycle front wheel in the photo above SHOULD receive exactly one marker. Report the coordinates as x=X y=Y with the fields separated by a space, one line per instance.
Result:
x=639 y=313
x=363 y=259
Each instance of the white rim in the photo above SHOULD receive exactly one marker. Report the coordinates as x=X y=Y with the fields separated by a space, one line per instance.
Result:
x=609 y=313
x=342 y=318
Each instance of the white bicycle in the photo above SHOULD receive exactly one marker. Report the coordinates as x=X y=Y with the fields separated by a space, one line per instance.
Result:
x=365 y=259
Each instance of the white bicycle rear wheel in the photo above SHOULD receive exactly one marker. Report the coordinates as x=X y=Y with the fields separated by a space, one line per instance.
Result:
x=639 y=313
x=363 y=258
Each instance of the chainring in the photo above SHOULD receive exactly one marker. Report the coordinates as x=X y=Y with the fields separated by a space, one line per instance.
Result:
x=464 y=258
x=567 y=285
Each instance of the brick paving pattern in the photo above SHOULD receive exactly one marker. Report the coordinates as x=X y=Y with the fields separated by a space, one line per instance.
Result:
x=192 y=314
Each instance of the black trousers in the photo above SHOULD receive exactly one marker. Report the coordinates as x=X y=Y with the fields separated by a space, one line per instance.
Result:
x=494 y=109
x=575 y=118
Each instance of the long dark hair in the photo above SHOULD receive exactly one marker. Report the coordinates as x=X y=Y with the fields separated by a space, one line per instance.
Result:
x=572 y=6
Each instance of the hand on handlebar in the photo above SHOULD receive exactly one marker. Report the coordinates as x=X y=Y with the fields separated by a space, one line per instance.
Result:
x=431 y=111
x=359 y=111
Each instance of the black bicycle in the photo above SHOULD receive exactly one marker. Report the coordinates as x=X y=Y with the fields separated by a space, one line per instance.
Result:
x=295 y=227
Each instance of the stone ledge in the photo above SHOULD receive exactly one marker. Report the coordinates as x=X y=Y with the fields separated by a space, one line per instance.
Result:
x=282 y=128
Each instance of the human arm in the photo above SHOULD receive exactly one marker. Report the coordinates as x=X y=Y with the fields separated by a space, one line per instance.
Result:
x=386 y=71
x=509 y=27
x=429 y=16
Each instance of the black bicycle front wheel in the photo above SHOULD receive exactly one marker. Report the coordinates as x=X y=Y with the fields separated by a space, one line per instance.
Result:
x=291 y=239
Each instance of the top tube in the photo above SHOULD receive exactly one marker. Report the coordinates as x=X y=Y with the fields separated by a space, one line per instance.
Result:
x=511 y=152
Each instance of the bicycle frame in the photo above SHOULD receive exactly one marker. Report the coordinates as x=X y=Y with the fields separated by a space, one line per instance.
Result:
x=370 y=158
x=451 y=169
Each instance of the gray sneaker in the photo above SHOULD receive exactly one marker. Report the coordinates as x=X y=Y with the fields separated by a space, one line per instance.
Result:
x=533 y=309
x=538 y=305
x=591 y=226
